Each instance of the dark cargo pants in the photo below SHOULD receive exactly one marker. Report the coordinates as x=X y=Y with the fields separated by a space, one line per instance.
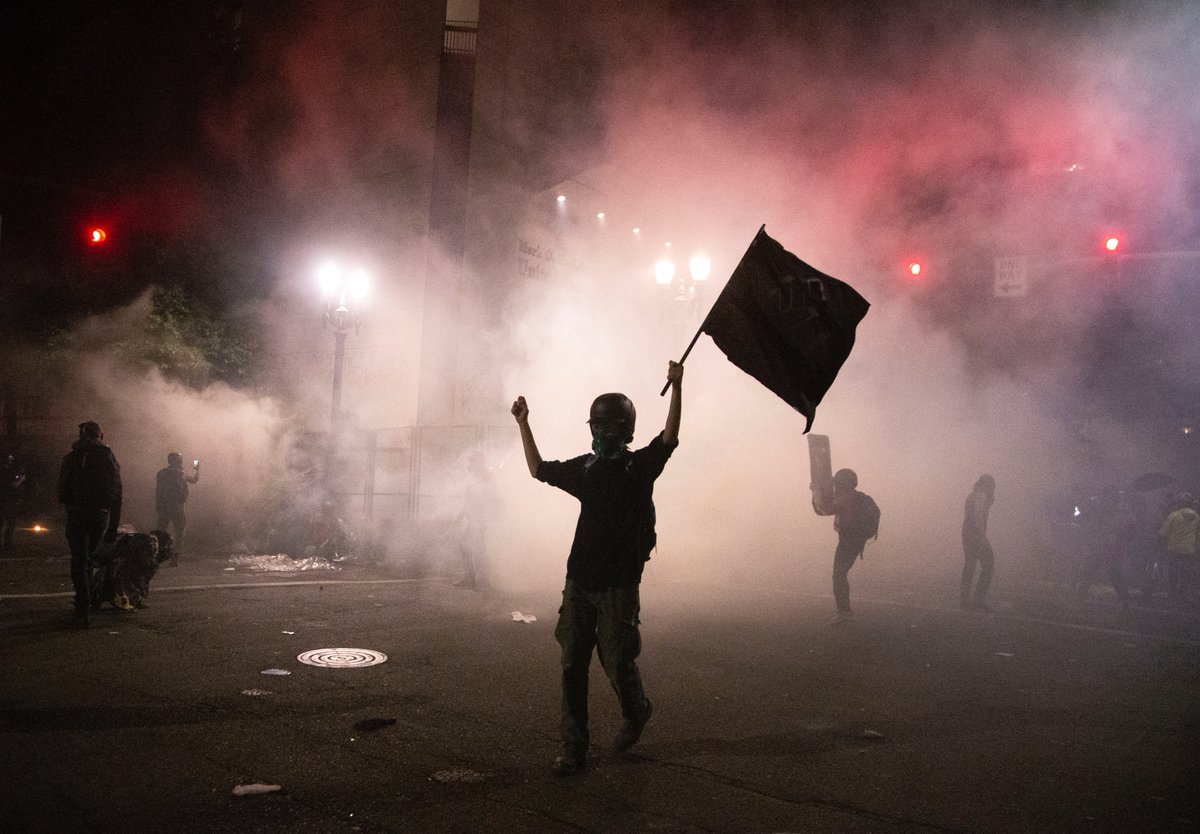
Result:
x=607 y=621
x=844 y=556
x=977 y=550
x=85 y=530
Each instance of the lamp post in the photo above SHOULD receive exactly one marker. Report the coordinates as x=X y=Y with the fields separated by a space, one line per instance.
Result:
x=344 y=291
x=684 y=290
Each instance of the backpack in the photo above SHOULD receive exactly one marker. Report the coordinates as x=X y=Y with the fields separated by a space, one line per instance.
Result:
x=91 y=478
x=864 y=522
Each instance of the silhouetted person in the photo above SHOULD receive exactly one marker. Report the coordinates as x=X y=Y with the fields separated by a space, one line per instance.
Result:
x=328 y=536
x=89 y=485
x=977 y=550
x=12 y=492
x=170 y=498
x=125 y=568
x=613 y=539
x=856 y=520
x=481 y=502
x=1179 y=532
x=1109 y=535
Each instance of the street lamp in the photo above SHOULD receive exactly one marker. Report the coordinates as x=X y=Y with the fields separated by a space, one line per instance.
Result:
x=687 y=289
x=664 y=272
x=344 y=291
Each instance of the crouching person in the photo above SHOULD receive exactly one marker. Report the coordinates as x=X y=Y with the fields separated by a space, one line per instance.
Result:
x=124 y=569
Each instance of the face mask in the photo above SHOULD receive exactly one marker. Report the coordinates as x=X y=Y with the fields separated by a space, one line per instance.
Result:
x=605 y=445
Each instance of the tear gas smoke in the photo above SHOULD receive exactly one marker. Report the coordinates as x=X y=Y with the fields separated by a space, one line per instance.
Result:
x=855 y=139
x=852 y=143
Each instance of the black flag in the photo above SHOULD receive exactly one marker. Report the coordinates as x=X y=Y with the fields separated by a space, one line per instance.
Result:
x=786 y=324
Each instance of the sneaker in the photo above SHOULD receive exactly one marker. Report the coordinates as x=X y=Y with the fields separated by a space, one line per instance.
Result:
x=631 y=731
x=569 y=764
x=842 y=617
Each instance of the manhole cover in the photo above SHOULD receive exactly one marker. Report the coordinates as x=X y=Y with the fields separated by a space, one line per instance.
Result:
x=342 y=658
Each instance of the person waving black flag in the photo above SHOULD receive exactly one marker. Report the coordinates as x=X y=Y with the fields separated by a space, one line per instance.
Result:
x=786 y=324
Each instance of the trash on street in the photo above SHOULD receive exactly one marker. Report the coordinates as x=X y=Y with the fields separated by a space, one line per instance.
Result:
x=255 y=789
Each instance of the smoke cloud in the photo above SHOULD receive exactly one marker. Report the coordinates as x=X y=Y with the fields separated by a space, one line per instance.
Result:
x=930 y=131
x=861 y=138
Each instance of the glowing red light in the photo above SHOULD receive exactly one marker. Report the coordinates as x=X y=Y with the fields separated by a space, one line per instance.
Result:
x=914 y=268
x=96 y=236
x=1112 y=243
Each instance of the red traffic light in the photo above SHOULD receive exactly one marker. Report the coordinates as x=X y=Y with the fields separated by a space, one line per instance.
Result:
x=914 y=269
x=1112 y=243
x=96 y=235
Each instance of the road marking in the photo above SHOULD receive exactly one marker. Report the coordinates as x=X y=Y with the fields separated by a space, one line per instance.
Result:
x=998 y=615
x=1005 y=615
x=220 y=585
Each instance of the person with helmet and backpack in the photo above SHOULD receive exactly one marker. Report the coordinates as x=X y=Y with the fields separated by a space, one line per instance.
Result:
x=977 y=550
x=613 y=539
x=1179 y=532
x=89 y=485
x=856 y=520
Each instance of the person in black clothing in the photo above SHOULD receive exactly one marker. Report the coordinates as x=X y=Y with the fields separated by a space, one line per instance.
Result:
x=12 y=491
x=977 y=550
x=89 y=484
x=170 y=496
x=613 y=539
x=124 y=569
x=846 y=504
x=1110 y=533
x=481 y=502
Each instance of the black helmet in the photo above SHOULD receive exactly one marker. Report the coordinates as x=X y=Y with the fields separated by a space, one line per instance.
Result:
x=90 y=429
x=174 y=459
x=614 y=415
x=845 y=478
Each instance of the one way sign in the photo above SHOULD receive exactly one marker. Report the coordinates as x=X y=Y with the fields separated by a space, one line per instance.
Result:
x=1012 y=277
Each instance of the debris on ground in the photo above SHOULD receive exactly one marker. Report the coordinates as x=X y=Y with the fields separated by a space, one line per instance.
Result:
x=281 y=563
x=523 y=618
x=255 y=789
x=255 y=692
x=276 y=672
x=458 y=774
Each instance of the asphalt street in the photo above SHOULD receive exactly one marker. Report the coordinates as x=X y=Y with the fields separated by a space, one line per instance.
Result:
x=1048 y=715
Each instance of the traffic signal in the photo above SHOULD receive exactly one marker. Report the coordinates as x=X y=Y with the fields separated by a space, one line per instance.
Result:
x=915 y=268
x=1112 y=243
x=97 y=235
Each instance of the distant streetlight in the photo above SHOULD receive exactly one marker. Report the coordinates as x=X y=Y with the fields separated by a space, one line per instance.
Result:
x=344 y=291
x=664 y=272
x=686 y=289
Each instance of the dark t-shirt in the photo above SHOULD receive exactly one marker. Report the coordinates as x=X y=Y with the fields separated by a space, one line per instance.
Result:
x=615 y=532
x=90 y=477
x=975 y=516
x=171 y=488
